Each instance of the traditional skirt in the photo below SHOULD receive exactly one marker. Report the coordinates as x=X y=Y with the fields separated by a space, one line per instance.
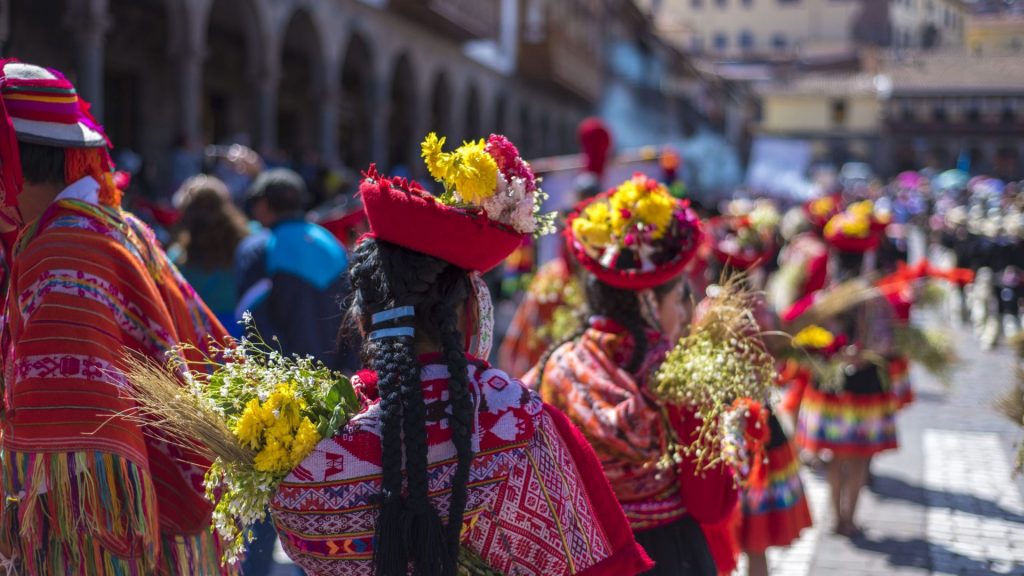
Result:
x=899 y=378
x=774 y=506
x=858 y=420
x=678 y=548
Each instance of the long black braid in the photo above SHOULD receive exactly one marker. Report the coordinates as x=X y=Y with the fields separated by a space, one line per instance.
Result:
x=443 y=316
x=409 y=529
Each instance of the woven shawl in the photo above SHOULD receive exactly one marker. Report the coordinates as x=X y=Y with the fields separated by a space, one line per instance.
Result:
x=91 y=492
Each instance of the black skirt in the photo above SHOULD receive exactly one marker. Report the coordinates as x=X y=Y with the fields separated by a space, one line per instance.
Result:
x=678 y=549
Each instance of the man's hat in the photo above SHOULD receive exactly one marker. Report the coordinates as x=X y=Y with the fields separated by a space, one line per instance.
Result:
x=45 y=109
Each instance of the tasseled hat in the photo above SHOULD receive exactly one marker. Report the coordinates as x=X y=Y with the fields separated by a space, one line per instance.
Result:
x=40 y=106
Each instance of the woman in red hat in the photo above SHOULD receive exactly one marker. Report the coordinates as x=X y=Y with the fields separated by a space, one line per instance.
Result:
x=450 y=461
x=851 y=417
x=773 y=505
x=634 y=242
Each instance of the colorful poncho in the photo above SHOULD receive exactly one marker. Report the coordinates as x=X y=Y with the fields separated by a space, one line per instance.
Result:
x=88 y=491
x=629 y=430
x=537 y=503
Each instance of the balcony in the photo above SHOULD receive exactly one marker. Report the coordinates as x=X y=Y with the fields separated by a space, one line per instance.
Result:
x=460 y=20
x=558 y=63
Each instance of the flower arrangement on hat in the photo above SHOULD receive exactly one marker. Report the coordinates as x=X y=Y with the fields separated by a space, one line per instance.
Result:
x=855 y=229
x=255 y=414
x=820 y=210
x=490 y=176
x=634 y=236
x=745 y=238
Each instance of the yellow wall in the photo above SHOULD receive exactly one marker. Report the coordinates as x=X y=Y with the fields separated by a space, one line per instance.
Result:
x=788 y=113
x=999 y=35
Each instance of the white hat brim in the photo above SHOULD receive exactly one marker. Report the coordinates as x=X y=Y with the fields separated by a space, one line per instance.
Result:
x=76 y=135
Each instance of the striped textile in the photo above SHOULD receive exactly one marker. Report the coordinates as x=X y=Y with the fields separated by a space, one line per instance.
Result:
x=90 y=492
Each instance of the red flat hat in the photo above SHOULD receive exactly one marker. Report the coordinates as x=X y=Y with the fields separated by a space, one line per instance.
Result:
x=632 y=279
x=402 y=213
x=741 y=261
x=845 y=243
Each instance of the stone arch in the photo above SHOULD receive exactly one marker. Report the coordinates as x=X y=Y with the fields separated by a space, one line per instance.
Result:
x=526 y=131
x=299 y=89
x=402 y=115
x=236 y=57
x=473 y=126
x=140 y=74
x=500 y=114
x=32 y=36
x=441 y=104
x=356 y=109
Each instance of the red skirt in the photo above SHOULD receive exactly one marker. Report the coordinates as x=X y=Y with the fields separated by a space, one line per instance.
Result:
x=774 y=505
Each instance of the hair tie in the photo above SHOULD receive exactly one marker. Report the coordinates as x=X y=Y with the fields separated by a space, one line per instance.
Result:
x=392 y=314
x=392 y=333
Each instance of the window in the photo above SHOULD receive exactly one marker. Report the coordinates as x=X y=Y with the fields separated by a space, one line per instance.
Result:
x=789 y=1
x=939 y=113
x=838 y=112
x=721 y=42
x=779 y=42
x=746 y=40
x=696 y=4
x=748 y=3
x=720 y=3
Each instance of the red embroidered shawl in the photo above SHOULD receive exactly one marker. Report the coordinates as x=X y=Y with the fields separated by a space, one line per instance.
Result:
x=538 y=503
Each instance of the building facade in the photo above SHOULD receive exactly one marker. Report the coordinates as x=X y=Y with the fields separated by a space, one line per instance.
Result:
x=747 y=27
x=940 y=119
x=839 y=115
x=349 y=81
x=927 y=24
x=994 y=34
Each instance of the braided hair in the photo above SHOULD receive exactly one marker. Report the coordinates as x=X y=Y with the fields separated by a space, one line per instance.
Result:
x=623 y=307
x=409 y=529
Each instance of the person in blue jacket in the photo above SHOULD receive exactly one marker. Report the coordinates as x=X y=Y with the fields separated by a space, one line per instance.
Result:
x=292 y=274
x=291 y=277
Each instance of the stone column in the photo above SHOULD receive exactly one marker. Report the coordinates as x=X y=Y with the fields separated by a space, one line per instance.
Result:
x=190 y=88
x=380 y=102
x=266 y=111
x=327 y=117
x=90 y=21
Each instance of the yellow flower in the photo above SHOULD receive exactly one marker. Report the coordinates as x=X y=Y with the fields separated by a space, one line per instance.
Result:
x=306 y=438
x=438 y=162
x=813 y=337
x=857 y=227
x=273 y=458
x=822 y=206
x=591 y=227
x=250 y=425
x=474 y=175
x=861 y=209
x=592 y=234
x=655 y=209
x=469 y=171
